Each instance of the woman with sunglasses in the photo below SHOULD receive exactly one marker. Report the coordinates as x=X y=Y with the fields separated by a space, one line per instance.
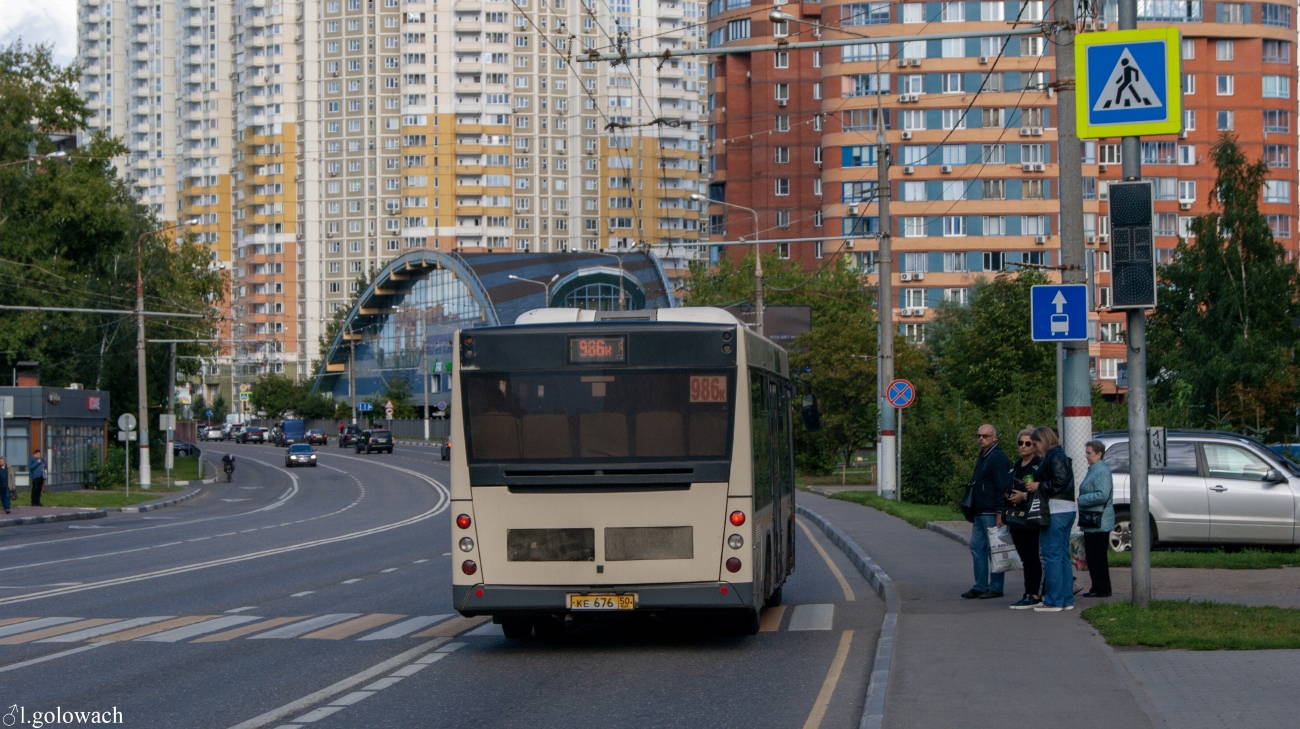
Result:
x=1056 y=477
x=1025 y=537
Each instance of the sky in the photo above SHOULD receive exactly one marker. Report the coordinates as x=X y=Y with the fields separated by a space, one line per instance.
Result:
x=41 y=21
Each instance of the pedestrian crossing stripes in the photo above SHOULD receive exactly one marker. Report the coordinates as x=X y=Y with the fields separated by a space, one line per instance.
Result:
x=333 y=626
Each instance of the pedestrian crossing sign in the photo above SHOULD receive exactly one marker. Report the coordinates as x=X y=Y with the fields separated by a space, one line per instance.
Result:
x=1130 y=83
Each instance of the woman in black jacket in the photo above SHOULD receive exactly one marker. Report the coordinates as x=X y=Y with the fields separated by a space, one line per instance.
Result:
x=1056 y=477
x=1025 y=537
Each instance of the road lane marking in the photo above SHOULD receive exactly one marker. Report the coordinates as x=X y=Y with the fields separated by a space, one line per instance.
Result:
x=453 y=627
x=317 y=714
x=197 y=539
x=352 y=698
x=812 y=617
x=352 y=627
x=242 y=609
x=245 y=630
x=52 y=656
x=10 y=621
x=771 y=620
x=346 y=684
x=828 y=686
x=306 y=626
x=54 y=630
x=351 y=581
x=193 y=631
x=114 y=627
x=23 y=627
x=302 y=594
x=420 y=561
x=406 y=626
x=390 y=569
x=142 y=631
x=489 y=630
x=844 y=584
x=411 y=669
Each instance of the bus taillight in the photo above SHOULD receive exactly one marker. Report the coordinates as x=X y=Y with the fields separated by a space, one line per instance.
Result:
x=733 y=565
x=462 y=521
x=469 y=568
x=737 y=518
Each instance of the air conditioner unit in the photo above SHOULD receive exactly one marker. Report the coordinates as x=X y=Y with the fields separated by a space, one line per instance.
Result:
x=902 y=63
x=1103 y=238
x=1089 y=25
x=1184 y=204
x=902 y=98
x=904 y=277
x=918 y=276
x=749 y=74
x=1051 y=92
x=1040 y=167
x=984 y=59
x=907 y=135
x=1036 y=131
x=1182 y=134
x=1101 y=25
x=782 y=102
x=916 y=63
x=1101 y=168
x=1024 y=131
x=909 y=170
x=1090 y=239
x=848 y=244
x=329 y=235
x=946 y=169
x=1040 y=239
x=1026 y=167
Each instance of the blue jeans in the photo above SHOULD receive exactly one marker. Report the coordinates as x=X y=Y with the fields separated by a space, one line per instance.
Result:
x=1058 y=573
x=4 y=495
x=980 y=554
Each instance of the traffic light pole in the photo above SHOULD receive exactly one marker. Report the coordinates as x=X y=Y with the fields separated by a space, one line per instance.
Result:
x=886 y=458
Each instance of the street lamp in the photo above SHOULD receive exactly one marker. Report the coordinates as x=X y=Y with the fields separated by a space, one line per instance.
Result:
x=544 y=284
x=141 y=375
x=758 y=257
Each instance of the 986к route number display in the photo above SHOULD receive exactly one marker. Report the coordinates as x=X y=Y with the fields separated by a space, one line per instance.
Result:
x=585 y=350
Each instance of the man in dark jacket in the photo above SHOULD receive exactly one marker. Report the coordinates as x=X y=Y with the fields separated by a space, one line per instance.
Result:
x=990 y=481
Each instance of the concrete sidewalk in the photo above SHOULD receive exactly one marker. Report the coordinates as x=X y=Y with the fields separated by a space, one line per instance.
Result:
x=975 y=663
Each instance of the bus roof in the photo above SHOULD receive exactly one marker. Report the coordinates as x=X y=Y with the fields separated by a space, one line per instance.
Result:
x=692 y=314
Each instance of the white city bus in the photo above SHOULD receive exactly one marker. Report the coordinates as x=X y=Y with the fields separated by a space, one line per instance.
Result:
x=620 y=462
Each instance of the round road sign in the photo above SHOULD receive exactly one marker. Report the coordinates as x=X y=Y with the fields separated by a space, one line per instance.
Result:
x=900 y=393
x=442 y=405
x=126 y=421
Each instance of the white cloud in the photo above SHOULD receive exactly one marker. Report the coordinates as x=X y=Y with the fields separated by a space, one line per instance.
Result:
x=42 y=21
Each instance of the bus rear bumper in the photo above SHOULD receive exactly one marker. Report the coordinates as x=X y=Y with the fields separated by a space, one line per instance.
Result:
x=482 y=599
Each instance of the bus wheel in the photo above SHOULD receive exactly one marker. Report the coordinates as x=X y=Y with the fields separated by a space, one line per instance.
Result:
x=747 y=623
x=774 y=599
x=550 y=627
x=517 y=628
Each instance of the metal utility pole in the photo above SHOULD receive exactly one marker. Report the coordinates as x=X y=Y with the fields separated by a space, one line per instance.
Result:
x=352 y=377
x=1139 y=505
x=1076 y=406
x=171 y=410
x=887 y=466
x=141 y=371
x=424 y=370
x=758 y=257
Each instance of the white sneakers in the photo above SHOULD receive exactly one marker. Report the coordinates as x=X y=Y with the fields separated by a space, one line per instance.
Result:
x=1051 y=609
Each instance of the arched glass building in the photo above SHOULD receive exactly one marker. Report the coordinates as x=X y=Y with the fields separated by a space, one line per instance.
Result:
x=423 y=297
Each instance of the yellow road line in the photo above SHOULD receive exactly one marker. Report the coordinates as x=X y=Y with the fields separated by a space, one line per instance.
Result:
x=352 y=627
x=144 y=630
x=247 y=629
x=56 y=630
x=452 y=627
x=844 y=584
x=828 y=686
x=771 y=620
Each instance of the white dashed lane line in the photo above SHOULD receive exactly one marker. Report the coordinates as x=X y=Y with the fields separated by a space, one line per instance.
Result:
x=390 y=569
x=349 y=582
x=300 y=594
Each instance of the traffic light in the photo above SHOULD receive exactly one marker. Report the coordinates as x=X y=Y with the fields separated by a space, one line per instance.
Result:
x=1132 y=246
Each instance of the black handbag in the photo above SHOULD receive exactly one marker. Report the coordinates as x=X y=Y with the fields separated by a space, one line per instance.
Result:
x=1038 y=513
x=1014 y=515
x=1090 y=519
x=968 y=503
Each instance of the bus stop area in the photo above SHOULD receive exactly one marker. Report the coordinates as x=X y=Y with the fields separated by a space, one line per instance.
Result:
x=976 y=663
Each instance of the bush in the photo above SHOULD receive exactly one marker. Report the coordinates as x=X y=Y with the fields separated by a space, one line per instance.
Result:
x=112 y=472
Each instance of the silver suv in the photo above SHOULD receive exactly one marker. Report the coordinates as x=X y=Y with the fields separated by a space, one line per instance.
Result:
x=1217 y=488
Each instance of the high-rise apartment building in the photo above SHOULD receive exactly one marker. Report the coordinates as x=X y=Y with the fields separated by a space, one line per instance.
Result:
x=971 y=129
x=316 y=139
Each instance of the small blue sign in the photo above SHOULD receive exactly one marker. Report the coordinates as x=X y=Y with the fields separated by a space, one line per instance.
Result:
x=209 y=413
x=364 y=407
x=1059 y=312
x=442 y=405
x=900 y=393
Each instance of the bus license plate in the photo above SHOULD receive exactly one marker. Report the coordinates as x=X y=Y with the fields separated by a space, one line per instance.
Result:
x=602 y=602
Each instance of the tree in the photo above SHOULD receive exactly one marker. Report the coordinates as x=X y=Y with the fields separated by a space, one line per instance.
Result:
x=398 y=391
x=1222 y=339
x=274 y=393
x=220 y=408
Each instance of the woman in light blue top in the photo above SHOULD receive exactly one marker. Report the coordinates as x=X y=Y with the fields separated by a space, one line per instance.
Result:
x=1097 y=496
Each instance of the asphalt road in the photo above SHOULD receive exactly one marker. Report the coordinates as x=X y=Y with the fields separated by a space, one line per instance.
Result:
x=321 y=597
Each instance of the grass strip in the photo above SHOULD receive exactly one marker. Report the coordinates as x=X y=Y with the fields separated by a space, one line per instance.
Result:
x=1244 y=559
x=915 y=514
x=1198 y=626
x=105 y=499
x=854 y=476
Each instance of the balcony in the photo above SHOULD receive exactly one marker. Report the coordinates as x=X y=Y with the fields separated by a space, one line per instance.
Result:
x=468 y=26
x=92 y=35
x=194 y=78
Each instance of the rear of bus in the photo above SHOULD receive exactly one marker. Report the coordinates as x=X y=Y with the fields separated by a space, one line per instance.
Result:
x=597 y=471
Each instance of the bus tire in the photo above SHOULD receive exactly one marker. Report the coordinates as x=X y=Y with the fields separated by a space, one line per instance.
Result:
x=775 y=598
x=517 y=628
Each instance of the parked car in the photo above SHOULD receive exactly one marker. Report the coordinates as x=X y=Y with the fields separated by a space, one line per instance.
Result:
x=317 y=437
x=375 y=440
x=212 y=432
x=252 y=434
x=349 y=436
x=299 y=454
x=184 y=448
x=233 y=431
x=1216 y=488
x=446 y=450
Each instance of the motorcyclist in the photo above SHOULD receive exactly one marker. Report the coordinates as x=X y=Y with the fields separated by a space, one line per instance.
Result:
x=228 y=461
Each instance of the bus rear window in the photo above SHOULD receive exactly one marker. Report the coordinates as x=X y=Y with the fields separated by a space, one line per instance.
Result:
x=598 y=415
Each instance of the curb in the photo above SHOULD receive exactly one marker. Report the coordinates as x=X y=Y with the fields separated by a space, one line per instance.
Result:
x=151 y=506
x=48 y=518
x=941 y=529
x=873 y=712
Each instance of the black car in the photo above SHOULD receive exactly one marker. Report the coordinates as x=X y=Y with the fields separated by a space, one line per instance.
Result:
x=349 y=436
x=252 y=435
x=446 y=451
x=317 y=437
x=299 y=454
x=374 y=440
x=182 y=448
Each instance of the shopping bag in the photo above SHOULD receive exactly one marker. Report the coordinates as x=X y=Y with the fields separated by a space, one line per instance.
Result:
x=1003 y=557
x=1077 y=553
